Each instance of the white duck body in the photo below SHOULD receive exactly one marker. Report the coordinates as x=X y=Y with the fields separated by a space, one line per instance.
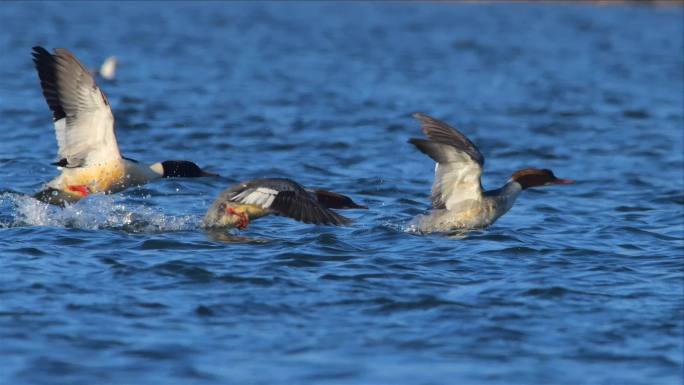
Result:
x=106 y=176
x=473 y=213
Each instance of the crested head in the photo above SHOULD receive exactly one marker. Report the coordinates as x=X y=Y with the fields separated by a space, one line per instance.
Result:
x=182 y=169
x=534 y=177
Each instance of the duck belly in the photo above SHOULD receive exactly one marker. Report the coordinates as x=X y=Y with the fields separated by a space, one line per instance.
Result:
x=106 y=178
x=472 y=217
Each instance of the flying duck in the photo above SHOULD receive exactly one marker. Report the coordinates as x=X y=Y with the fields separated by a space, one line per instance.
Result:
x=246 y=201
x=458 y=200
x=88 y=154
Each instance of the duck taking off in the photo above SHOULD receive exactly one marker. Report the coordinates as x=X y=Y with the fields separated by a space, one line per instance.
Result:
x=88 y=154
x=458 y=200
x=243 y=202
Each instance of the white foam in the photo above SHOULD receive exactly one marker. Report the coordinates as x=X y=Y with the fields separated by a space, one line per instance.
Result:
x=95 y=212
x=411 y=228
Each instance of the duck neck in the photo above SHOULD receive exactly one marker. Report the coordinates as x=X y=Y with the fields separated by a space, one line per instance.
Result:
x=505 y=196
x=509 y=193
x=158 y=169
x=511 y=189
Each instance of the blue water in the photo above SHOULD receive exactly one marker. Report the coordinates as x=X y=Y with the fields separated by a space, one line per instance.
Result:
x=578 y=284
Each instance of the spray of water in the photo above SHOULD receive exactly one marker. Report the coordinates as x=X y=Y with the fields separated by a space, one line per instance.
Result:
x=96 y=212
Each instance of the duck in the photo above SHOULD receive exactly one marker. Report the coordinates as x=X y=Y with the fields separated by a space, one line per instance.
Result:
x=458 y=200
x=88 y=153
x=244 y=202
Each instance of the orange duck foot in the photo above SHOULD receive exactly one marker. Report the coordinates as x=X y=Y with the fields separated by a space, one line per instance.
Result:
x=81 y=189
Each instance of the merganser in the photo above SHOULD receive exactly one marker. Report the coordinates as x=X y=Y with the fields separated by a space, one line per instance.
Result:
x=246 y=201
x=84 y=125
x=458 y=200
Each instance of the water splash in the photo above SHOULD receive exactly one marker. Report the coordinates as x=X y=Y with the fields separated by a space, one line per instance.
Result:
x=96 y=212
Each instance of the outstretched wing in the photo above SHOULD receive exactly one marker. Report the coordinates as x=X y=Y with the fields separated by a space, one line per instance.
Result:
x=459 y=163
x=333 y=200
x=84 y=124
x=287 y=198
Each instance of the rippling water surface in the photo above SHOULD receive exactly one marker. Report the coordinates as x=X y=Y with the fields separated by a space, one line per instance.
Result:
x=577 y=284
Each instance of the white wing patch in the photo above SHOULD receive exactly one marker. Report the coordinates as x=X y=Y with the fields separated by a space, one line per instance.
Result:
x=457 y=183
x=60 y=132
x=260 y=196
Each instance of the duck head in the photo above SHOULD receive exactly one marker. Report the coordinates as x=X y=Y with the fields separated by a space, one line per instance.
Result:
x=534 y=177
x=182 y=169
x=226 y=214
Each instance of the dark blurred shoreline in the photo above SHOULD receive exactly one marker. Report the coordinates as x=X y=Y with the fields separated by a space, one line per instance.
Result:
x=649 y=3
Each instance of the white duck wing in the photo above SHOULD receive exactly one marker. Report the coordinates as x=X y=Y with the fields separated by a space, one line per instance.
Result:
x=260 y=196
x=459 y=163
x=286 y=198
x=84 y=124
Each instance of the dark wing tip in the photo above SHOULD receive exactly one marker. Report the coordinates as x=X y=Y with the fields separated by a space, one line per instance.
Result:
x=440 y=132
x=46 y=65
x=421 y=116
x=323 y=216
x=417 y=142
x=39 y=50
x=327 y=217
x=431 y=126
x=42 y=58
x=301 y=206
x=427 y=119
x=333 y=200
x=436 y=151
